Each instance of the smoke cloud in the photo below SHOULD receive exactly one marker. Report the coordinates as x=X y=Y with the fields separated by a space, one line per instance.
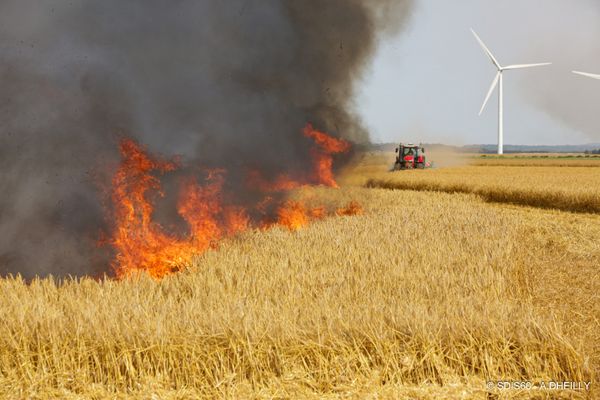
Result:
x=220 y=83
x=571 y=42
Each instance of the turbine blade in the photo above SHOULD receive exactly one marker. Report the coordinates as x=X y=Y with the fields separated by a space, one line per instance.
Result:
x=587 y=74
x=494 y=84
x=519 y=66
x=487 y=51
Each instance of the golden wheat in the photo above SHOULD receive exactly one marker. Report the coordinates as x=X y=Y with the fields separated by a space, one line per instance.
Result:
x=571 y=189
x=426 y=295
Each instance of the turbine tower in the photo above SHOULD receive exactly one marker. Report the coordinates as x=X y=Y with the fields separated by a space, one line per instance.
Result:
x=586 y=74
x=498 y=80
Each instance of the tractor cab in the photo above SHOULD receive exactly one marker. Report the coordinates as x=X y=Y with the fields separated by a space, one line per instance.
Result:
x=410 y=156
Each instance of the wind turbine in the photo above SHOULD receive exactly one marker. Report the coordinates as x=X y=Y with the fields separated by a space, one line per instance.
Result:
x=586 y=74
x=498 y=81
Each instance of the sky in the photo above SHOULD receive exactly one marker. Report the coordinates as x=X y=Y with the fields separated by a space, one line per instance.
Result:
x=428 y=83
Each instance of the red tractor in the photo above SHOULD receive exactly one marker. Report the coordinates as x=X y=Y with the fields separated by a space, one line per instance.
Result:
x=410 y=156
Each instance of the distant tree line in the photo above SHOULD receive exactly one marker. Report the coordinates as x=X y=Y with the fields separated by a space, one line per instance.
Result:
x=596 y=151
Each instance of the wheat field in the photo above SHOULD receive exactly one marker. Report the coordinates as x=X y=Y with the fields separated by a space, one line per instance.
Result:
x=549 y=184
x=427 y=295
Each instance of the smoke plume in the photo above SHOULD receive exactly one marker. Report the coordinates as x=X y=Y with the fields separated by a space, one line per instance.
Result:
x=571 y=40
x=219 y=83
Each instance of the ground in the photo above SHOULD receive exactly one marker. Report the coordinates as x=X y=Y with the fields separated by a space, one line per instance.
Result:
x=481 y=270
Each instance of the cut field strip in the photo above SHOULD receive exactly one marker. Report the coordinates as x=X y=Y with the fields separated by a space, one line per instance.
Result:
x=580 y=202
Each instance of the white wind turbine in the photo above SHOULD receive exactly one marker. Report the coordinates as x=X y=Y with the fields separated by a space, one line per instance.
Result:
x=498 y=80
x=586 y=74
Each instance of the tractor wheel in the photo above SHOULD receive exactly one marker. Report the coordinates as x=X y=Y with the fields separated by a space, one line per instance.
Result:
x=421 y=166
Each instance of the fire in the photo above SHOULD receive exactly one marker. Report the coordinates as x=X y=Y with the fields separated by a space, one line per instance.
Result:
x=200 y=207
x=292 y=215
x=142 y=244
x=323 y=160
x=282 y=183
x=353 y=208
x=322 y=173
x=318 y=213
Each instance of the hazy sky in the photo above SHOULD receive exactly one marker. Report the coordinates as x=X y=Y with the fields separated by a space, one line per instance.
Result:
x=428 y=83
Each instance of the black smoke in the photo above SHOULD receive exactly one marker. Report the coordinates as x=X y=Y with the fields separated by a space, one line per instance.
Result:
x=227 y=83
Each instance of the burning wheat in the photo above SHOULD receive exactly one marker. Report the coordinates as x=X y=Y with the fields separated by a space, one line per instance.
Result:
x=345 y=307
x=142 y=244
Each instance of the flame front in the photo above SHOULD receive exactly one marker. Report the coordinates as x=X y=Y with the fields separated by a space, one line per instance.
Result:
x=322 y=156
x=292 y=214
x=142 y=244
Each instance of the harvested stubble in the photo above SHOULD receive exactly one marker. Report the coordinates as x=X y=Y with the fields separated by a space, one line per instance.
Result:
x=424 y=296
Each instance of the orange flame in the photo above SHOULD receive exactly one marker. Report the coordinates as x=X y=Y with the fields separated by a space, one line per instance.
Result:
x=353 y=208
x=318 y=213
x=322 y=156
x=282 y=183
x=292 y=215
x=141 y=244
x=322 y=174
